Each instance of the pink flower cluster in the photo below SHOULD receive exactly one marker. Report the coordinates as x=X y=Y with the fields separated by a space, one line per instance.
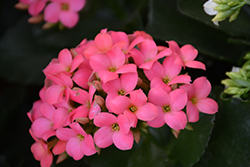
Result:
x=105 y=90
x=53 y=11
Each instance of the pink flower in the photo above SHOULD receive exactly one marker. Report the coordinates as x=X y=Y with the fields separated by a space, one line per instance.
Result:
x=169 y=107
x=166 y=74
x=134 y=108
x=121 y=86
x=79 y=143
x=186 y=55
x=198 y=100
x=88 y=107
x=41 y=152
x=35 y=6
x=113 y=130
x=148 y=54
x=123 y=40
x=59 y=89
x=109 y=65
x=64 y=11
x=65 y=63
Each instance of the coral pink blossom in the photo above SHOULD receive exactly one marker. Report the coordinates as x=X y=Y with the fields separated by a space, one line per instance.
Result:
x=162 y=76
x=122 y=39
x=79 y=143
x=65 y=63
x=101 y=44
x=59 y=89
x=148 y=54
x=88 y=106
x=134 y=108
x=186 y=55
x=120 y=86
x=41 y=152
x=64 y=11
x=198 y=100
x=113 y=130
x=169 y=107
x=35 y=6
x=109 y=65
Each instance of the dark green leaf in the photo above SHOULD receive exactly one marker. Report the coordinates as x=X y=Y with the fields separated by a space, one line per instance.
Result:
x=190 y=145
x=237 y=29
x=110 y=157
x=148 y=155
x=166 y=22
x=229 y=145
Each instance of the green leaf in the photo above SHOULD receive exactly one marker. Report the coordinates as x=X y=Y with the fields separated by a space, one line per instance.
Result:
x=190 y=144
x=148 y=155
x=110 y=157
x=229 y=145
x=167 y=22
x=237 y=29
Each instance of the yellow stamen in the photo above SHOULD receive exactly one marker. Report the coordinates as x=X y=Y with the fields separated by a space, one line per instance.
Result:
x=166 y=108
x=115 y=127
x=81 y=137
x=132 y=109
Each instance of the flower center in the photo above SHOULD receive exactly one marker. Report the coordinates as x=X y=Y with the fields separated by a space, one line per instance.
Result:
x=65 y=6
x=115 y=127
x=88 y=104
x=132 y=109
x=112 y=69
x=165 y=79
x=194 y=100
x=81 y=137
x=166 y=108
x=121 y=92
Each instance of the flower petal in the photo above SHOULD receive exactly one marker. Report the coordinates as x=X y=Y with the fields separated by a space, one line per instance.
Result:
x=192 y=112
x=159 y=120
x=104 y=119
x=74 y=149
x=123 y=141
x=158 y=97
x=202 y=87
x=176 y=119
x=207 y=105
x=147 y=112
x=88 y=146
x=103 y=137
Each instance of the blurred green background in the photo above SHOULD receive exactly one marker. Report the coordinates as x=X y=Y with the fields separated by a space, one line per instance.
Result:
x=217 y=140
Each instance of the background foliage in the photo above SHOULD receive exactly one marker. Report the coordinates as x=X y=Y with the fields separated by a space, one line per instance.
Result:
x=219 y=140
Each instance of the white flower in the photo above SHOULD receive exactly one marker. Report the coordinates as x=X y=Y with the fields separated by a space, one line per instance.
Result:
x=209 y=7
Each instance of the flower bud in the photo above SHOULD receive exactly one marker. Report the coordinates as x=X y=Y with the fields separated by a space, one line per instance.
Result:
x=234 y=75
x=222 y=15
x=234 y=15
x=243 y=73
x=21 y=6
x=232 y=90
x=222 y=7
x=247 y=56
x=221 y=1
x=246 y=67
x=232 y=3
x=36 y=19
x=230 y=83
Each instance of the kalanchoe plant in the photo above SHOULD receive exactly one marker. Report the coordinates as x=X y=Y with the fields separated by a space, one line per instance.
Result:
x=108 y=90
x=223 y=9
x=64 y=12
x=238 y=83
